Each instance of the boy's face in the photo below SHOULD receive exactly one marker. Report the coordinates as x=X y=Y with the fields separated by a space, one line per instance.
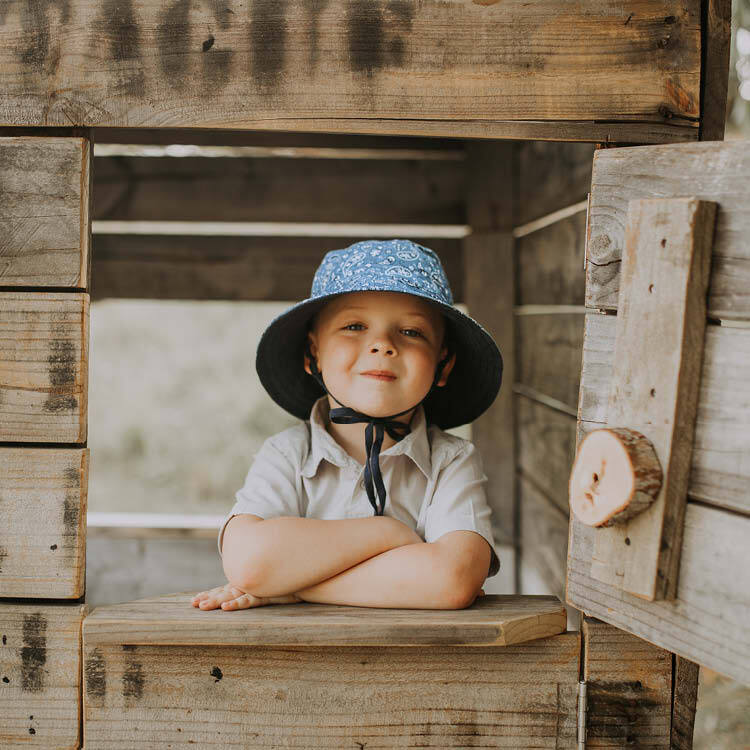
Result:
x=359 y=332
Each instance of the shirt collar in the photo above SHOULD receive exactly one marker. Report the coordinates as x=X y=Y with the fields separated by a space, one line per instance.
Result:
x=322 y=445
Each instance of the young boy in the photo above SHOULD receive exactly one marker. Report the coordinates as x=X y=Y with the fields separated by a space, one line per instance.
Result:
x=380 y=333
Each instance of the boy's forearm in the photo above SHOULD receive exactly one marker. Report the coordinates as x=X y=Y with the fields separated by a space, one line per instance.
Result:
x=298 y=552
x=409 y=577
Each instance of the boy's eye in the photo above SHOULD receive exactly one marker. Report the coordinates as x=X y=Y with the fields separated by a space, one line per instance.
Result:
x=406 y=330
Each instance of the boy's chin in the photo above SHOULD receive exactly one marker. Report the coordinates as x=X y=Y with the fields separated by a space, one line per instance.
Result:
x=380 y=406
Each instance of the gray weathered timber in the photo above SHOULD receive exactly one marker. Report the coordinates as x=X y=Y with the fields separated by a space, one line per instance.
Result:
x=316 y=697
x=550 y=263
x=40 y=673
x=549 y=354
x=228 y=267
x=43 y=492
x=655 y=379
x=551 y=176
x=493 y=620
x=44 y=340
x=546 y=441
x=44 y=211
x=629 y=689
x=711 y=171
x=720 y=462
x=357 y=67
x=707 y=622
x=244 y=188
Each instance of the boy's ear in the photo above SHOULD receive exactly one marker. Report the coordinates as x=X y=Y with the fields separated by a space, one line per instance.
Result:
x=448 y=367
x=311 y=344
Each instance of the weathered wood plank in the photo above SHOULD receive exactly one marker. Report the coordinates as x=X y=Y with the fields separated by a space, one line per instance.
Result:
x=44 y=212
x=629 y=689
x=43 y=494
x=655 y=380
x=684 y=700
x=493 y=620
x=229 y=267
x=40 y=673
x=720 y=462
x=544 y=536
x=144 y=696
x=353 y=67
x=711 y=171
x=718 y=19
x=44 y=340
x=707 y=622
x=194 y=188
x=551 y=176
x=550 y=263
x=549 y=354
x=546 y=448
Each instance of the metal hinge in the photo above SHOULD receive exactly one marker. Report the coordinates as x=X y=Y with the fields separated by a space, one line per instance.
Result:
x=582 y=706
x=586 y=232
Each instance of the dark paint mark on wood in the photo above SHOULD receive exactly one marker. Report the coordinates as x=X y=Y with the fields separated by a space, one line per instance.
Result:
x=5 y=639
x=62 y=375
x=33 y=652
x=208 y=43
x=5 y=680
x=268 y=29
x=96 y=674
x=314 y=9
x=120 y=24
x=619 y=710
x=71 y=515
x=32 y=730
x=53 y=546
x=72 y=477
x=3 y=555
x=133 y=680
x=173 y=41
x=217 y=673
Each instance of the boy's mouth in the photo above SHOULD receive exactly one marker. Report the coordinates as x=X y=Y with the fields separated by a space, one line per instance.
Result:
x=380 y=374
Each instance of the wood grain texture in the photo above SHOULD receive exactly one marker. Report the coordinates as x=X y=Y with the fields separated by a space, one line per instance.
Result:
x=550 y=263
x=551 y=176
x=546 y=448
x=352 y=67
x=43 y=500
x=549 y=354
x=707 y=622
x=243 y=188
x=715 y=79
x=44 y=212
x=227 y=268
x=720 y=462
x=684 y=700
x=311 y=697
x=493 y=620
x=40 y=674
x=629 y=689
x=655 y=380
x=711 y=171
x=44 y=340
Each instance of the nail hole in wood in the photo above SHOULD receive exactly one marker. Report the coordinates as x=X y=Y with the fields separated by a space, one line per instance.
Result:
x=627 y=540
x=653 y=391
x=651 y=288
x=664 y=242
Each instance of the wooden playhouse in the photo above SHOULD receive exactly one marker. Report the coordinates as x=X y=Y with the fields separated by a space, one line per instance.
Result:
x=535 y=147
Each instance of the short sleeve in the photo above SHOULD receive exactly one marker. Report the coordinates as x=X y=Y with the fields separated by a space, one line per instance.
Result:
x=460 y=501
x=270 y=489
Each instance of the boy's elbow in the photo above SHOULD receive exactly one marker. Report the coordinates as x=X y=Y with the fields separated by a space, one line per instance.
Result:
x=243 y=560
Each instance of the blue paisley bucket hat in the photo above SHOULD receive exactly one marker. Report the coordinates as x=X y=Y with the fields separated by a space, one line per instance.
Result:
x=395 y=265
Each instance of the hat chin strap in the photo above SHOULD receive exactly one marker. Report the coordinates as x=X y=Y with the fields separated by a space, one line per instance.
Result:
x=397 y=430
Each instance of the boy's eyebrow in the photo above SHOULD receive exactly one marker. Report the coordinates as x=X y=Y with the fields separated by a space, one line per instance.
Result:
x=359 y=307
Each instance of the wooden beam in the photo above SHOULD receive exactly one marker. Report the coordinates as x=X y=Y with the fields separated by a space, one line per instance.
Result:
x=227 y=268
x=438 y=68
x=45 y=236
x=717 y=35
x=711 y=171
x=684 y=699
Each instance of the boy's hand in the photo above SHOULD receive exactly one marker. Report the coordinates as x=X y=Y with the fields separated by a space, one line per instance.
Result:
x=230 y=597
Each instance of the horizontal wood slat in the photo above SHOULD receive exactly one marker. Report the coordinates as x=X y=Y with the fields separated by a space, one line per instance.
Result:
x=428 y=69
x=43 y=494
x=44 y=211
x=712 y=171
x=707 y=622
x=145 y=696
x=228 y=268
x=493 y=620
x=720 y=463
x=40 y=674
x=409 y=191
x=44 y=342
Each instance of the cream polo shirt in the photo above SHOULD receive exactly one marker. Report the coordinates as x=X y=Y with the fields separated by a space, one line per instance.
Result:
x=434 y=480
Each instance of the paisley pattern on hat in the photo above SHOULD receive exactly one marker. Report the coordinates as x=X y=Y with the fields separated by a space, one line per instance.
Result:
x=383 y=265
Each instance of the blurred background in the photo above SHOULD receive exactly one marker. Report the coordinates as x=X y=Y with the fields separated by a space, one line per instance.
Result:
x=176 y=414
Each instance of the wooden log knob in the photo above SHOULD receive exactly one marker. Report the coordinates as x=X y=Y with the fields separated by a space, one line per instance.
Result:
x=616 y=475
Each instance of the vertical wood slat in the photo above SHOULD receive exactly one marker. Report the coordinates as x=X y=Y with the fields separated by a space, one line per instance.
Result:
x=655 y=381
x=716 y=21
x=489 y=275
x=684 y=700
x=45 y=235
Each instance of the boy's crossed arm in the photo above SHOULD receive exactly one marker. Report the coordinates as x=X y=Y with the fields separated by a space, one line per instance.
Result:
x=375 y=561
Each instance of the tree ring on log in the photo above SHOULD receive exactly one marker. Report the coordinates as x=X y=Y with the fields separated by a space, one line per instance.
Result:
x=616 y=475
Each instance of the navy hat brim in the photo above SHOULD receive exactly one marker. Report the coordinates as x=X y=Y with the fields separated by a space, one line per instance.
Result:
x=470 y=390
